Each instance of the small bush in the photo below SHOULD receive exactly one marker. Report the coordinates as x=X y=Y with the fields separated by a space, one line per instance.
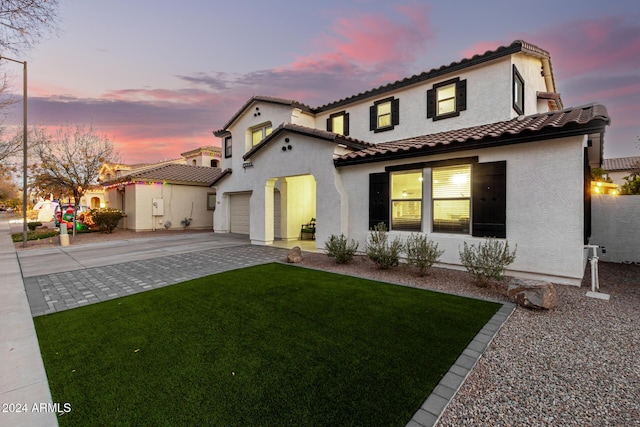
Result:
x=35 y=235
x=422 y=252
x=380 y=251
x=106 y=219
x=487 y=260
x=33 y=225
x=340 y=248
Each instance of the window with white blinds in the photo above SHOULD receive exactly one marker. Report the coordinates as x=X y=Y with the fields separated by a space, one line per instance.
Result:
x=451 y=195
x=406 y=200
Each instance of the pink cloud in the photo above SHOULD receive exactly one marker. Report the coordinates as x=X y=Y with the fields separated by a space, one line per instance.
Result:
x=371 y=41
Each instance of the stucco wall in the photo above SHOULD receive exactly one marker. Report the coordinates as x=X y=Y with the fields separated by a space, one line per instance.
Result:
x=180 y=202
x=544 y=207
x=615 y=226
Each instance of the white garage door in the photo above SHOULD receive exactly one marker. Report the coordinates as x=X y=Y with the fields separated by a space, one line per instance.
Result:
x=240 y=213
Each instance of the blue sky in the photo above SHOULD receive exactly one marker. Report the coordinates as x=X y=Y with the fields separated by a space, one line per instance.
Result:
x=159 y=76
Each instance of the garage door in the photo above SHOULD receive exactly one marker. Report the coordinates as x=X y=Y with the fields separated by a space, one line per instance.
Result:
x=240 y=213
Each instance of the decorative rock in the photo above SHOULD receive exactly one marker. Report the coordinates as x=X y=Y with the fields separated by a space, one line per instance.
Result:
x=533 y=294
x=295 y=255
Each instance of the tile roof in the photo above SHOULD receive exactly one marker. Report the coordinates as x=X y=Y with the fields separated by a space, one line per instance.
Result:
x=267 y=99
x=514 y=47
x=572 y=121
x=621 y=163
x=186 y=174
x=352 y=143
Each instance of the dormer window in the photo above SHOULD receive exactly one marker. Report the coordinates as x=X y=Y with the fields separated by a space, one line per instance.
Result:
x=338 y=123
x=260 y=133
x=446 y=99
x=518 y=92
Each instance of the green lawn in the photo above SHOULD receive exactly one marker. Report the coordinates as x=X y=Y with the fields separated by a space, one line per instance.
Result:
x=269 y=345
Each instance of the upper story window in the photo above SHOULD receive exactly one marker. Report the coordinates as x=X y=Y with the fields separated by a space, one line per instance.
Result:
x=193 y=162
x=406 y=200
x=214 y=163
x=260 y=133
x=446 y=99
x=518 y=92
x=227 y=147
x=384 y=114
x=338 y=123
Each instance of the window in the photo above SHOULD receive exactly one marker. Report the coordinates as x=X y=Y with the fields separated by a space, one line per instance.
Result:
x=338 y=123
x=406 y=200
x=211 y=201
x=260 y=133
x=214 y=163
x=518 y=92
x=451 y=198
x=384 y=115
x=447 y=99
x=193 y=162
x=227 y=147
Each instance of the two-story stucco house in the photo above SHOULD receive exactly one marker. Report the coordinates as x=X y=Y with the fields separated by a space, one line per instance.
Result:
x=477 y=148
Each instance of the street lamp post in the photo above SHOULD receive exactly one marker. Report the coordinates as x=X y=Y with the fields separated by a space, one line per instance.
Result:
x=24 y=150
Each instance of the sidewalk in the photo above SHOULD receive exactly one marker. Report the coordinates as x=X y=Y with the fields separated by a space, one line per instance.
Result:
x=25 y=398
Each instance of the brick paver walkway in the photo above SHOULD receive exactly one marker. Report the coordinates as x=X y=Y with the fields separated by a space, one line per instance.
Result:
x=61 y=291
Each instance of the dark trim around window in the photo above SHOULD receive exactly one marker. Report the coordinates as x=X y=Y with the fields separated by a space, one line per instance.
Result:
x=518 y=92
x=227 y=147
x=395 y=114
x=460 y=99
x=345 y=120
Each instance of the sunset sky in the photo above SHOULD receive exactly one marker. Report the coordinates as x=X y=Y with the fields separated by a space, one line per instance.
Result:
x=159 y=76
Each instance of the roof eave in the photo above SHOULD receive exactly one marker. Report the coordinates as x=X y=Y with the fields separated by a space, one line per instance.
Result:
x=595 y=126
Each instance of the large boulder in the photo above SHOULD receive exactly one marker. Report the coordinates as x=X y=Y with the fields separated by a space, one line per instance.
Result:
x=295 y=255
x=532 y=294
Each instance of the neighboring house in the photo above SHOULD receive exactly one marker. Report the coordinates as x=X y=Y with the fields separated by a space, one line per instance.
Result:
x=477 y=148
x=94 y=197
x=620 y=167
x=167 y=194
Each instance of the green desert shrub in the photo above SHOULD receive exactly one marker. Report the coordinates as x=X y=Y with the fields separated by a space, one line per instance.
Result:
x=422 y=252
x=384 y=253
x=487 y=260
x=106 y=219
x=341 y=248
x=33 y=225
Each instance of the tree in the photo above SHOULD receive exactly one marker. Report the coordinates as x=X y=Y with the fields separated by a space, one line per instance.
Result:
x=24 y=22
x=69 y=159
x=8 y=189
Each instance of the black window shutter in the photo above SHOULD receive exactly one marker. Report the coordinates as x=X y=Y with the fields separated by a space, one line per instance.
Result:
x=431 y=103
x=489 y=199
x=461 y=95
x=373 y=117
x=346 y=124
x=395 y=112
x=587 y=197
x=329 y=125
x=378 y=199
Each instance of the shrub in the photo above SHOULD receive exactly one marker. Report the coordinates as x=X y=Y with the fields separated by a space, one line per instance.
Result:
x=35 y=235
x=33 y=225
x=487 y=260
x=106 y=219
x=422 y=252
x=380 y=251
x=340 y=248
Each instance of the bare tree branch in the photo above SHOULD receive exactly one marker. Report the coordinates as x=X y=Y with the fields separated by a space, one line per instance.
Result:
x=24 y=22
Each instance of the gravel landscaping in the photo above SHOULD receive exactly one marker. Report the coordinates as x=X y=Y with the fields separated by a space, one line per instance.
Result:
x=575 y=365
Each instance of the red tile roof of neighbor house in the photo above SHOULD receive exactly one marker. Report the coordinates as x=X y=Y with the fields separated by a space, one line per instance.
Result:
x=556 y=124
x=175 y=173
x=621 y=163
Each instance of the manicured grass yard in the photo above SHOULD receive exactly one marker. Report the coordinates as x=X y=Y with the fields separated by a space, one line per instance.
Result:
x=268 y=345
